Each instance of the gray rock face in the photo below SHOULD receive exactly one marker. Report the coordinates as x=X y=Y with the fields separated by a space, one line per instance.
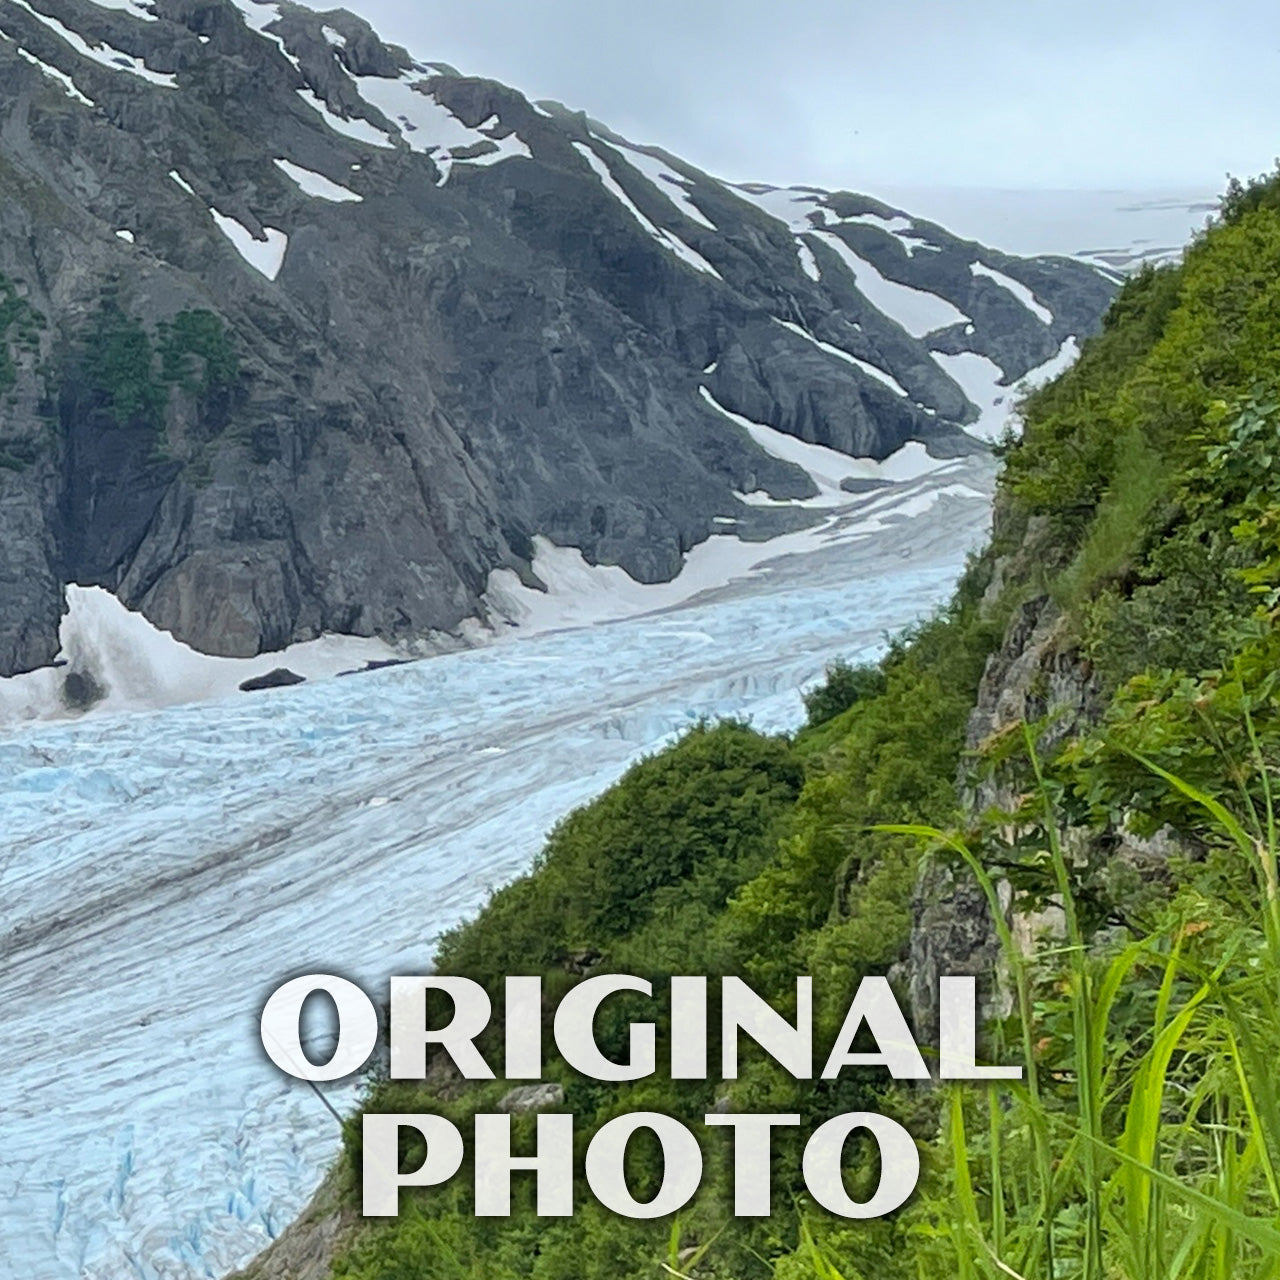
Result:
x=532 y=1097
x=299 y=336
x=1034 y=676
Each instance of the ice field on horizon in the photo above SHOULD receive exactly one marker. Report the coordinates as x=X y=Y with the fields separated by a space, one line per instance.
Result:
x=1114 y=229
x=164 y=870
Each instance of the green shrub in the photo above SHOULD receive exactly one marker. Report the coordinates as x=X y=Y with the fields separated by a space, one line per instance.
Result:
x=116 y=360
x=196 y=351
x=20 y=327
x=696 y=819
x=842 y=687
x=119 y=371
x=1066 y=456
x=1244 y=197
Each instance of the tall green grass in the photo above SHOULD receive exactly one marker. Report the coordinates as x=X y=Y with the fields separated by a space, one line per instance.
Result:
x=1115 y=537
x=1146 y=1146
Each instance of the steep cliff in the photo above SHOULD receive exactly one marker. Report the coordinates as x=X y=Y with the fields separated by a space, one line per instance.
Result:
x=301 y=336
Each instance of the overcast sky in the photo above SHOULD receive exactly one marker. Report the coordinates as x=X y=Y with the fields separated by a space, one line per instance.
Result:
x=1044 y=93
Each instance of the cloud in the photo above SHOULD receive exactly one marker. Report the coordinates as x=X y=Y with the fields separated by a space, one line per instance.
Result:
x=1004 y=93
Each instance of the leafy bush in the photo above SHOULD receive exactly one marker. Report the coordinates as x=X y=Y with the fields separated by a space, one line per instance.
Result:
x=116 y=360
x=890 y=757
x=1066 y=456
x=127 y=376
x=843 y=686
x=696 y=819
x=1244 y=197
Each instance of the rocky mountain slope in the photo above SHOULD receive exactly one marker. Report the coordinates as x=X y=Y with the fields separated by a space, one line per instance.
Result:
x=301 y=336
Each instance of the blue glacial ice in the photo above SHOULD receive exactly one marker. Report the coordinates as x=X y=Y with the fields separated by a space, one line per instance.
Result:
x=163 y=871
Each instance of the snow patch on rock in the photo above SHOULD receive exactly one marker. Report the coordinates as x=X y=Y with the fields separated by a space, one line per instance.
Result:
x=103 y=54
x=827 y=467
x=1015 y=287
x=895 y=226
x=136 y=666
x=983 y=383
x=866 y=366
x=429 y=127
x=792 y=206
x=60 y=78
x=265 y=256
x=134 y=8
x=669 y=183
x=918 y=312
x=668 y=239
x=357 y=129
x=808 y=263
x=317 y=185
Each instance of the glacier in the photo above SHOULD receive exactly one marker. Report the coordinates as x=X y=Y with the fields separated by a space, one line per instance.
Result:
x=164 y=870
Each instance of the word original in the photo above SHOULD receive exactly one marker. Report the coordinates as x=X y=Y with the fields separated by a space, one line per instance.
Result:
x=874 y=1021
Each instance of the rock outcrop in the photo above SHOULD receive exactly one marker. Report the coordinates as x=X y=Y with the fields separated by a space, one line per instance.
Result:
x=1036 y=677
x=532 y=1097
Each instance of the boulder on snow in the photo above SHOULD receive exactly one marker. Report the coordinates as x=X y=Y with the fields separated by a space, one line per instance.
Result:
x=857 y=484
x=81 y=692
x=280 y=678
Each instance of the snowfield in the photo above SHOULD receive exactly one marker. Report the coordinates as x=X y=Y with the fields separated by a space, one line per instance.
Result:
x=163 y=871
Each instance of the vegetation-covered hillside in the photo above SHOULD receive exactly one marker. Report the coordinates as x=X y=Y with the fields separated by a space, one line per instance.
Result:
x=1128 y=806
